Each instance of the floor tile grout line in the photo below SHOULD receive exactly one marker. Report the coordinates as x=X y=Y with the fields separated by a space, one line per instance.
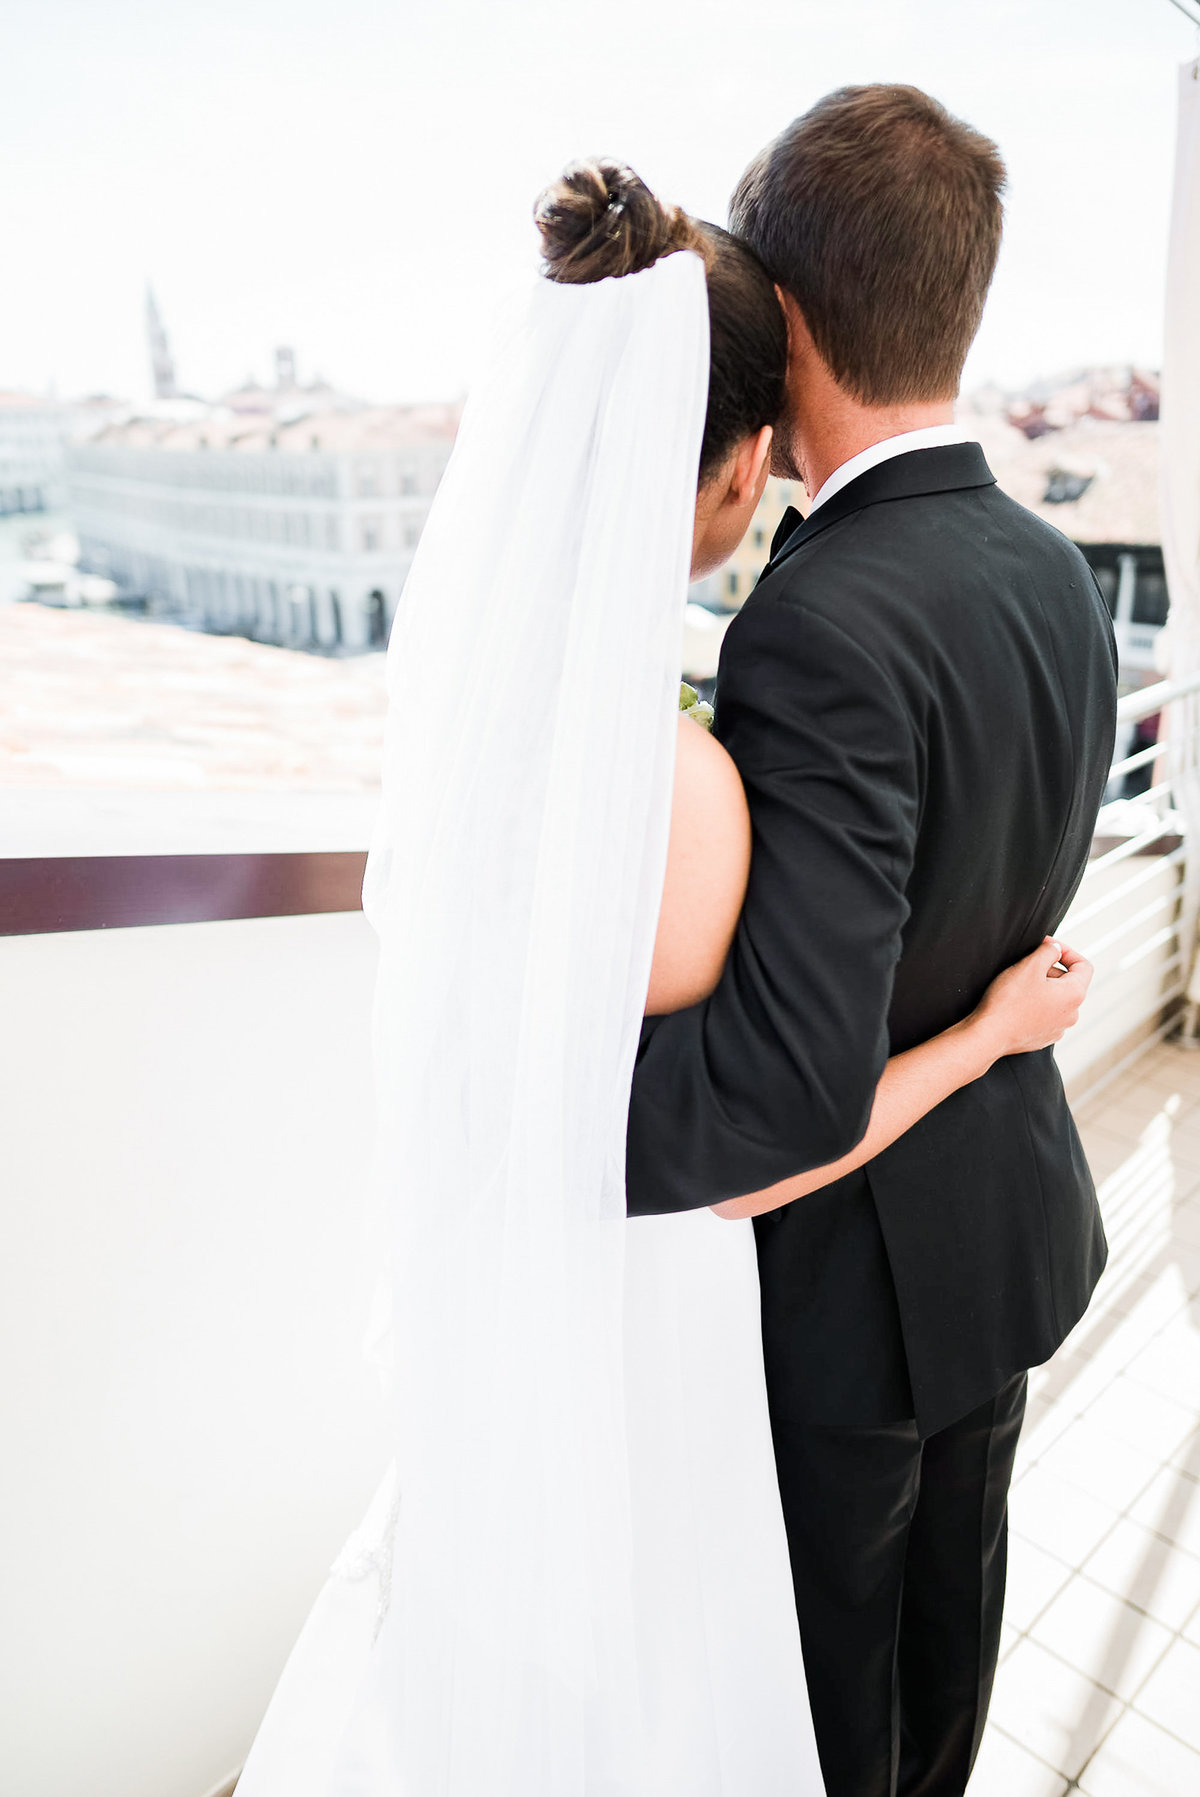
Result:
x=1126 y=1705
x=1079 y=1569
x=1120 y=1515
x=1081 y=1572
x=1033 y=1752
x=1169 y=1732
x=1150 y=1295
x=1105 y=1316
x=1126 y=1515
x=1074 y=1782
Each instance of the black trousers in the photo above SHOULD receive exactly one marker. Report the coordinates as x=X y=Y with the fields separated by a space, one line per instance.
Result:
x=899 y=1549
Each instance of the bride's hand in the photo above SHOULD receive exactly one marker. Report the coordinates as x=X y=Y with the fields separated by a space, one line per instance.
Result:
x=1032 y=1004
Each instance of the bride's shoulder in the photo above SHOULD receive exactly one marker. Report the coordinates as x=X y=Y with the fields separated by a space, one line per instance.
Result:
x=708 y=787
x=707 y=865
x=704 y=764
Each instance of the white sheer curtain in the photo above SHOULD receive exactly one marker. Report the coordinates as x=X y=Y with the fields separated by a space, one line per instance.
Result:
x=1180 y=428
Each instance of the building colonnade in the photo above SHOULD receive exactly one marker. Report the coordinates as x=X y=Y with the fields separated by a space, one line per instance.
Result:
x=296 y=535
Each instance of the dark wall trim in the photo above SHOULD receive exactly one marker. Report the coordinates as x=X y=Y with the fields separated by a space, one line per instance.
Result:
x=48 y=895
x=105 y=892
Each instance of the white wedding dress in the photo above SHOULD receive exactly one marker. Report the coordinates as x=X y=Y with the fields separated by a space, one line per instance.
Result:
x=575 y=1582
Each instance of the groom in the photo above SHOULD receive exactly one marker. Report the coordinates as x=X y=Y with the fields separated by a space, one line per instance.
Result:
x=920 y=696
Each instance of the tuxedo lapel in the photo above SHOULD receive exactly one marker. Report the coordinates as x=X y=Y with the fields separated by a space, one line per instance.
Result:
x=943 y=470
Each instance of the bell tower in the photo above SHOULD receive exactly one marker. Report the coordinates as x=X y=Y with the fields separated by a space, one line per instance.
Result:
x=161 y=365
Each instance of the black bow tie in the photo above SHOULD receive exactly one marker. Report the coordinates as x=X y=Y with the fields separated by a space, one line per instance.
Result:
x=790 y=521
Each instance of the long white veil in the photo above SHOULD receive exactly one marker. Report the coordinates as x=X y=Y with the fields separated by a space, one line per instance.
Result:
x=551 y=1599
x=515 y=887
x=514 y=882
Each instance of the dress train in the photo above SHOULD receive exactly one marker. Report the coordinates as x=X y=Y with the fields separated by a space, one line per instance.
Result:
x=720 y=1673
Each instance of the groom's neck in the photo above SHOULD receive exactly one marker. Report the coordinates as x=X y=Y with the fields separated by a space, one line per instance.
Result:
x=821 y=443
x=826 y=425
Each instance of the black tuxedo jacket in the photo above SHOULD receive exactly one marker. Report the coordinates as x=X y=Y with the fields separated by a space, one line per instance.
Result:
x=919 y=696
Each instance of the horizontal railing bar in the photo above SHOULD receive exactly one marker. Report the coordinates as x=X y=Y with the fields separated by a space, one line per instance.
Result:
x=1124 y=850
x=1104 y=943
x=1152 y=794
x=1136 y=706
x=1135 y=1054
x=1160 y=939
x=1142 y=759
x=1107 y=987
x=46 y=895
x=1118 y=976
x=1143 y=878
x=1127 y=958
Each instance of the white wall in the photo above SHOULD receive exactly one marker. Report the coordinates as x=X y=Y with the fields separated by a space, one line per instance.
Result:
x=187 y=1426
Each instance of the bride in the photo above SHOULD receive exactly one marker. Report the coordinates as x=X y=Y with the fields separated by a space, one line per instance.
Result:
x=574 y=1580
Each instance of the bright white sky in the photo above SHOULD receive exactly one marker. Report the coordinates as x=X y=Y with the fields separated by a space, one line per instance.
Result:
x=354 y=177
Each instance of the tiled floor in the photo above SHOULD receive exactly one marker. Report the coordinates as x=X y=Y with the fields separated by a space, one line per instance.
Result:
x=1099 y=1684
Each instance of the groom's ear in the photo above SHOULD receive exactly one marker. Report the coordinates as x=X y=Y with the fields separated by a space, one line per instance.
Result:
x=799 y=337
x=805 y=361
x=751 y=467
x=791 y=313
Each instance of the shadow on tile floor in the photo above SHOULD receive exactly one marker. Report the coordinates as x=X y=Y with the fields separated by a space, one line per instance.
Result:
x=1099 y=1685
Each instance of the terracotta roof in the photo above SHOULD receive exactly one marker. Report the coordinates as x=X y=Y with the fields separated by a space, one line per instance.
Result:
x=1114 y=466
x=373 y=428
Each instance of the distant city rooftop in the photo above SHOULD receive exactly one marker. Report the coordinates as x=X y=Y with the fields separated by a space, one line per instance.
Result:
x=1096 y=480
x=1080 y=449
x=338 y=432
x=94 y=700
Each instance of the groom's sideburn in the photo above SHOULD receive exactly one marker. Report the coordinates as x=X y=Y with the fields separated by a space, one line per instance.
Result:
x=920 y=698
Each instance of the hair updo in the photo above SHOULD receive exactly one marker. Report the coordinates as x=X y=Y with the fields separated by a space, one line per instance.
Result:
x=600 y=220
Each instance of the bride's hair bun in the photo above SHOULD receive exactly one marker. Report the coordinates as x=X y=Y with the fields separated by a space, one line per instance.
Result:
x=600 y=219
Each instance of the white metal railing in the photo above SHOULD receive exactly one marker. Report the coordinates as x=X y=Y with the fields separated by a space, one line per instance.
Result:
x=1134 y=914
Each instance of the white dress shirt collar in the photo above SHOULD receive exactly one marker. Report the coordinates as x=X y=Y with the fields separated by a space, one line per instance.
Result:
x=932 y=436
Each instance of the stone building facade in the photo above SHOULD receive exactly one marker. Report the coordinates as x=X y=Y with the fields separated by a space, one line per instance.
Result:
x=294 y=531
x=33 y=433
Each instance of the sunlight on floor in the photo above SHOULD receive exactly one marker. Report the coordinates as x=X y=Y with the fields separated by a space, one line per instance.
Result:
x=1100 y=1669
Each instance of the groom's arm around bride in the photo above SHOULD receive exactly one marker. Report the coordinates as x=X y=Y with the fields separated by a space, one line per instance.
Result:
x=919 y=696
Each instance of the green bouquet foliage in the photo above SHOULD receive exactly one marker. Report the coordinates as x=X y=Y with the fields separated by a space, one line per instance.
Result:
x=693 y=706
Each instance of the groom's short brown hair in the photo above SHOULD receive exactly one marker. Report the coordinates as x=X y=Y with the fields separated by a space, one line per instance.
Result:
x=881 y=215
